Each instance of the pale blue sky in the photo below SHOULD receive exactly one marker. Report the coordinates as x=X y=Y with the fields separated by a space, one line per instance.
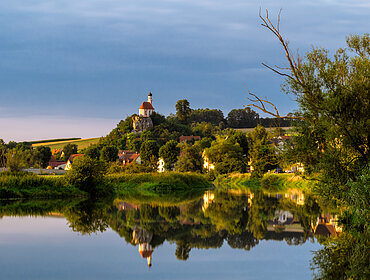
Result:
x=75 y=68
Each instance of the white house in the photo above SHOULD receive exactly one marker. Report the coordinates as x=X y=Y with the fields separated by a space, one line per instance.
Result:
x=206 y=163
x=160 y=164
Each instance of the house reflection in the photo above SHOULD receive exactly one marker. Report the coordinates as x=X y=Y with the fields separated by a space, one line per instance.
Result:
x=326 y=225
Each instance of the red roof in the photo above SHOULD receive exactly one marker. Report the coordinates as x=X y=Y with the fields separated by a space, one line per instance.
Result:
x=128 y=157
x=146 y=254
x=188 y=138
x=146 y=105
x=71 y=157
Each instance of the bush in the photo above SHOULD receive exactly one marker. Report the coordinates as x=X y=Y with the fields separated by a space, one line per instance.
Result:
x=86 y=174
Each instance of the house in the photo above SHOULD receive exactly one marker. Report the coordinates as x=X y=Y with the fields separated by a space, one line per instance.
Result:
x=298 y=167
x=146 y=108
x=54 y=164
x=70 y=161
x=188 y=138
x=160 y=164
x=207 y=165
x=127 y=157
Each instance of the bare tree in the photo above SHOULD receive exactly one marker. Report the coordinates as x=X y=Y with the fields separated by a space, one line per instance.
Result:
x=292 y=72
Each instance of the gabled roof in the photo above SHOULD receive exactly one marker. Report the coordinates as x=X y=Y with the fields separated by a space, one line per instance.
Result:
x=146 y=105
x=129 y=158
x=71 y=157
x=325 y=230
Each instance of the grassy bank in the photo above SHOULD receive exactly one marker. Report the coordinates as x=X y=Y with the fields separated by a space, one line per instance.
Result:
x=25 y=185
x=159 y=182
x=273 y=183
x=33 y=186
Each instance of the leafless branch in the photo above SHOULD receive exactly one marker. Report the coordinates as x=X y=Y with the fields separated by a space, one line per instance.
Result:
x=261 y=105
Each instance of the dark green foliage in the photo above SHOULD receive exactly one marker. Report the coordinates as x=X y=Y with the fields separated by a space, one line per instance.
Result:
x=126 y=126
x=238 y=137
x=68 y=150
x=149 y=153
x=114 y=138
x=42 y=156
x=109 y=153
x=242 y=118
x=205 y=129
x=132 y=143
x=261 y=153
x=183 y=110
x=169 y=152
x=213 y=116
x=157 y=118
x=347 y=256
x=334 y=97
x=93 y=151
x=86 y=174
x=226 y=155
x=16 y=159
x=190 y=159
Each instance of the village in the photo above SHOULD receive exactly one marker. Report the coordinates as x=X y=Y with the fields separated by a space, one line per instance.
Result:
x=142 y=123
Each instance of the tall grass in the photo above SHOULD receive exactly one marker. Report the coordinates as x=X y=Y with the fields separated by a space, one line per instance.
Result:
x=159 y=181
x=31 y=185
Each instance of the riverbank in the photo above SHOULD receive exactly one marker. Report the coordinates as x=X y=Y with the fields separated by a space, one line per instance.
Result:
x=270 y=182
x=26 y=185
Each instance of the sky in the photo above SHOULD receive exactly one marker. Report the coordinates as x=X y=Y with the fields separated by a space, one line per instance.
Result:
x=76 y=68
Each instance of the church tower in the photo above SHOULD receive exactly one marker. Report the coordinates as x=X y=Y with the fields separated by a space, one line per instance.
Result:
x=150 y=97
x=146 y=109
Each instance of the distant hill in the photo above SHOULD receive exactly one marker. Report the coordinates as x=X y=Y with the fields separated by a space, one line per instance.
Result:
x=60 y=143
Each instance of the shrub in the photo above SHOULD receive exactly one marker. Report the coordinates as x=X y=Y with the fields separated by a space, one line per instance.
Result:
x=86 y=173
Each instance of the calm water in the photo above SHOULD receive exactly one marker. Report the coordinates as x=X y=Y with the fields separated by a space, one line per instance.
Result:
x=212 y=235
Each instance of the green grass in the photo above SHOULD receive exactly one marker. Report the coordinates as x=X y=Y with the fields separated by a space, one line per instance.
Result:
x=81 y=143
x=159 y=182
x=270 y=182
x=33 y=186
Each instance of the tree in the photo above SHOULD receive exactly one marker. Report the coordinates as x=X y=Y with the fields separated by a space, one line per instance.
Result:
x=16 y=160
x=238 y=137
x=42 y=156
x=333 y=94
x=213 y=116
x=92 y=151
x=68 y=150
x=227 y=156
x=169 y=152
x=109 y=154
x=190 y=159
x=183 y=110
x=241 y=118
x=86 y=173
x=261 y=154
x=149 y=153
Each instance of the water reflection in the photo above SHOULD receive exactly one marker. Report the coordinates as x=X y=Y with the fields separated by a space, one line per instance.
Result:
x=241 y=219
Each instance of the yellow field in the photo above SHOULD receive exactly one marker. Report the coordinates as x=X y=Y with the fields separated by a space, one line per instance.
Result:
x=81 y=143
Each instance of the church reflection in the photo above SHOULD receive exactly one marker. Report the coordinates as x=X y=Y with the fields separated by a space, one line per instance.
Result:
x=240 y=219
x=201 y=220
